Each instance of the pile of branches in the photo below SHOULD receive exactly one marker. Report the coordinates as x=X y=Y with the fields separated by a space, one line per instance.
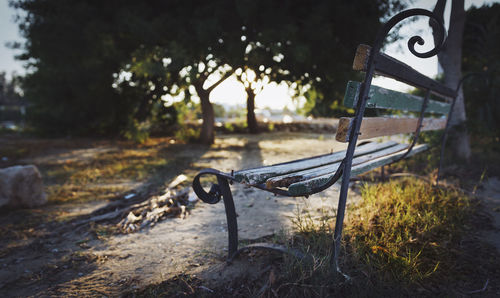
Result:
x=136 y=211
x=146 y=214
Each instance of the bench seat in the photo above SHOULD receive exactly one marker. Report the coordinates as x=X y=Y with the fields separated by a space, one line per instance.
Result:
x=299 y=177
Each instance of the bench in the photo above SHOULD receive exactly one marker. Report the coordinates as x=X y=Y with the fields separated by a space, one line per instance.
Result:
x=308 y=176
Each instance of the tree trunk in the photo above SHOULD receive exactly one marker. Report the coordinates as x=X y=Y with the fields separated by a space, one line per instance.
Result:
x=207 y=134
x=251 y=120
x=207 y=114
x=450 y=59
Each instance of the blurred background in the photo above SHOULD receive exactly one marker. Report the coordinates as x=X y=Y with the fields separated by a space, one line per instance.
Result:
x=128 y=69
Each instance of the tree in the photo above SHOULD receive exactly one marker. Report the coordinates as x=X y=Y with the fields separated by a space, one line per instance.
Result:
x=207 y=109
x=74 y=50
x=316 y=42
x=99 y=66
x=253 y=83
x=12 y=104
x=204 y=36
x=9 y=90
x=307 y=45
x=481 y=55
x=450 y=59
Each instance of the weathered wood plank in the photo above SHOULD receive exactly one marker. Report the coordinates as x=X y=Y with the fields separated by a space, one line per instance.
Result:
x=385 y=126
x=360 y=62
x=377 y=163
x=261 y=174
x=390 y=67
x=305 y=187
x=381 y=98
x=286 y=180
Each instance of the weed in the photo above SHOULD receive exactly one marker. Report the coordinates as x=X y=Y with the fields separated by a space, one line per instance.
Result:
x=137 y=131
x=403 y=234
x=229 y=126
x=187 y=134
x=79 y=171
x=270 y=127
x=238 y=125
x=404 y=228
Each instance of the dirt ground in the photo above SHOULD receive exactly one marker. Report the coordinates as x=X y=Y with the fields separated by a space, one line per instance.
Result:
x=489 y=193
x=53 y=257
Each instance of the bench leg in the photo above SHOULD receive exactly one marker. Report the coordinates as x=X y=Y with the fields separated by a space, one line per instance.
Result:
x=337 y=237
x=232 y=224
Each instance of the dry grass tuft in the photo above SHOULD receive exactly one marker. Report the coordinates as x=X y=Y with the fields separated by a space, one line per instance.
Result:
x=405 y=228
x=406 y=237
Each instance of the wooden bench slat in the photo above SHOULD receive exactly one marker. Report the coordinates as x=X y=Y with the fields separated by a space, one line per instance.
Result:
x=286 y=180
x=385 y=126
x=261 y=174
x=381 y=98
x=304 y=187
x=393 y=68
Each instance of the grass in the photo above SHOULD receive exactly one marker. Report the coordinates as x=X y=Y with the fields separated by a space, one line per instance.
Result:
x=485 y=158
x=92 y=170
x=104 y=175
x=405 y=238
x=405 y=228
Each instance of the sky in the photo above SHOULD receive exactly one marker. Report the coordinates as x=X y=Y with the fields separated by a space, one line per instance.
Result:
x=273 y=96
x=8 y=33
x=399 y=50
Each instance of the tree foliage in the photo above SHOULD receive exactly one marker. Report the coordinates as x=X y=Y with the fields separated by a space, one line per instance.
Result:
x=9 y=90
x=100 y=66
x=319 y=45
x=481 y=54
x=73 y=49
x=12 y=103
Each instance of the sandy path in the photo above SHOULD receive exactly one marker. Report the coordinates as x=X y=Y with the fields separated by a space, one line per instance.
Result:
x=173 y=246
x=47 y=266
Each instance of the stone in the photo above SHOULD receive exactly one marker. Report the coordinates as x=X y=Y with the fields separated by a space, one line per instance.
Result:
x=21 y=187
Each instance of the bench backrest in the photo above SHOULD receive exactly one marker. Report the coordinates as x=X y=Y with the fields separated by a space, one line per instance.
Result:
x=381 y=98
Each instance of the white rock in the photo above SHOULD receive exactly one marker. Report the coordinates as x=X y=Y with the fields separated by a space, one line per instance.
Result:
x=21 y=186
x=129 y=196
x=192 y=197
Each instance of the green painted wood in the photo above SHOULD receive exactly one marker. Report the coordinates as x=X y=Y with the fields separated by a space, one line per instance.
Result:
x=376 y=163
x=304 y=187
x=381 y=98
x=261 y=174
x=286 y=180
